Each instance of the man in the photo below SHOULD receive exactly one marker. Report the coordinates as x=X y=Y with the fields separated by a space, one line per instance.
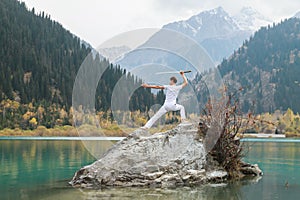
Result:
x=172 y=91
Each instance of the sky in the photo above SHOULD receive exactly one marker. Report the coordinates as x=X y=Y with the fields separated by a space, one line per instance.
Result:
x=96 y=21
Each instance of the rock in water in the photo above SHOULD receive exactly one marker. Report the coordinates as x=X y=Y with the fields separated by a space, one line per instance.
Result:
x=168 y=159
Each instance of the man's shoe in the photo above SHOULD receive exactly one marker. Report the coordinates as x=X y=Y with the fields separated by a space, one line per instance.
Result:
x=141 y=132
x=144 y=128
x=185 y=122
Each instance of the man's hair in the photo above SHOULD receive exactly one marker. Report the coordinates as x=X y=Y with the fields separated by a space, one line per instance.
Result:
x=174 y=79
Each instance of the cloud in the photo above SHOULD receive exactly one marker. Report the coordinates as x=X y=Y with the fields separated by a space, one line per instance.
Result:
x=274 y=9
x=98 y=20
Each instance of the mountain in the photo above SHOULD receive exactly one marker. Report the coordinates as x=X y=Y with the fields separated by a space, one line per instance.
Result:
x=250 y=19
x=297 y=15
x=218 y=32
x=38 y=56
x=208 y=24
x=215 y=30
x=267 y=66
x=113 y=52
x=39 y=60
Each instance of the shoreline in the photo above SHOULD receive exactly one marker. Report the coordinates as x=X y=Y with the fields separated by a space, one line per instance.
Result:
x=263 y=135
x=90 y=138
x=70 y=131
x=112 y=131
x=118 y=138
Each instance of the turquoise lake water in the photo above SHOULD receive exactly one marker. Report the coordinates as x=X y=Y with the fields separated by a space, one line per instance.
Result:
x=40 y=169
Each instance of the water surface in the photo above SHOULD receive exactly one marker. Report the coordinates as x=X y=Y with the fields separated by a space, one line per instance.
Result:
x=40 y=169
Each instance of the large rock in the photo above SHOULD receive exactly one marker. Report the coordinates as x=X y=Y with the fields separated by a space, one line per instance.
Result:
x=168 y=159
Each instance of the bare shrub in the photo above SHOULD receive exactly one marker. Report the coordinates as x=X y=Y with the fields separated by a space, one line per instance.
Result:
x=223 y=123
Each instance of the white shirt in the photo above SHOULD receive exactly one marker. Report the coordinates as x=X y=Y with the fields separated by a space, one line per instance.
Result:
x=172 y=92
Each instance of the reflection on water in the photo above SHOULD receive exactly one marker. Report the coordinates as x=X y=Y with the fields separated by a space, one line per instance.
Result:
x=29 y=166
x=41 y=170
x=221 y=191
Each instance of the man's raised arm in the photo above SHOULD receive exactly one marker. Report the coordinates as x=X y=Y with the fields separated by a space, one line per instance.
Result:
x=152 y=86
x=185 y=82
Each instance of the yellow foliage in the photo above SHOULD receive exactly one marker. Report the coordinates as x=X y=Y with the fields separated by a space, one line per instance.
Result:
x=28 y=115
x=288 y=118
x=140 y=121
x=33 y=121
x=15 y=105
x=59 y=121
x=63 y=113
x=30 y=106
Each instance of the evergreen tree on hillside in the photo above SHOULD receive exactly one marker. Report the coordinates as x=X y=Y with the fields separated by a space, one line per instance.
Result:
x=39 y=60
x=267 y=66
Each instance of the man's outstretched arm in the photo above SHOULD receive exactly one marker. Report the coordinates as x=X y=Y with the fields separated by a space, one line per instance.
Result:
x=152 y=86
x=185 y=82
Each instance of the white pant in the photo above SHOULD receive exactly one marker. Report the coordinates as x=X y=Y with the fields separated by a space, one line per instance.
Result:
x=163 y=110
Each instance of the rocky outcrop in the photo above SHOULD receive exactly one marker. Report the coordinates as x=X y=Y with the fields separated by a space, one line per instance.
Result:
x=252 y=170
x=173 y=158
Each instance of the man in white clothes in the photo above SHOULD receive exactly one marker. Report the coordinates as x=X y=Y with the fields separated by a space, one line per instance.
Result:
x=172 y=91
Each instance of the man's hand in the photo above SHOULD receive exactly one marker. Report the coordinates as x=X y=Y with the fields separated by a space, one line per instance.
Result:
x=185 y=82
x=144 y=85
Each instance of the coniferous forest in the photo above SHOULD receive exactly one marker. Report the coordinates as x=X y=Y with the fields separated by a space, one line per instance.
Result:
x=39 y=60
x=267 y=68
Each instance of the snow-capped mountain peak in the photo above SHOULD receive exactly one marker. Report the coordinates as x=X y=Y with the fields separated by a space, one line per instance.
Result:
x=215 y=11
x=297 y=15
x=206 y=24
x=215 y=30
x=250 y=19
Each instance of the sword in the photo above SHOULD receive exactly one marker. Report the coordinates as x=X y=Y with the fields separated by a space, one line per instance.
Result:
x=173 y=72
